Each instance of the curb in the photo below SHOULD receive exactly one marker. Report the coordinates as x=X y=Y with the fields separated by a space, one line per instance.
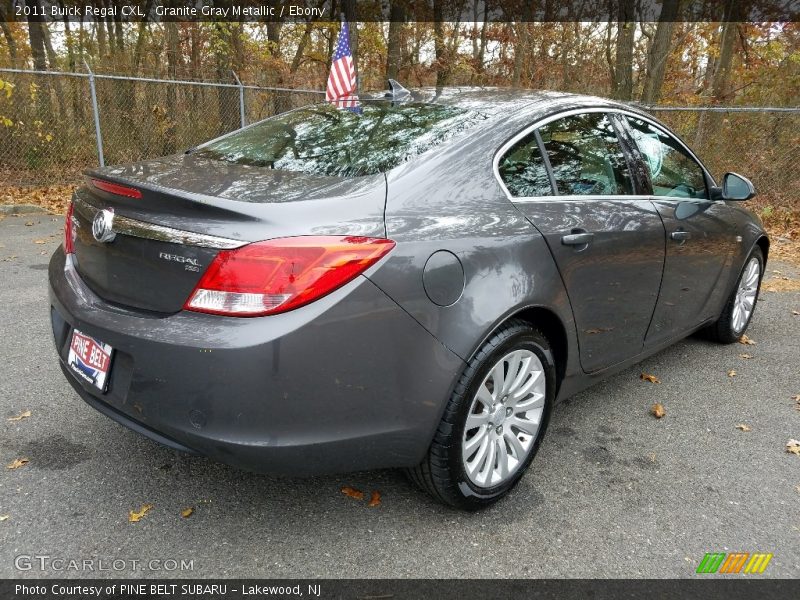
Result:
x=21 y=209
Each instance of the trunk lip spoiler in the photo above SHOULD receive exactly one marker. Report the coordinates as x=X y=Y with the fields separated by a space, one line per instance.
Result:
x=160 y=233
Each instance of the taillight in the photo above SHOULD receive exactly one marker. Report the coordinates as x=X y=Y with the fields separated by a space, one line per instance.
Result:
x=115 y=188
x=278 y=275
x=69 y=232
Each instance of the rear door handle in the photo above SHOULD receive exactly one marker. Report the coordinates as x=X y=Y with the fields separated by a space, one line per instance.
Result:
x=577 y=239
x=680 y=236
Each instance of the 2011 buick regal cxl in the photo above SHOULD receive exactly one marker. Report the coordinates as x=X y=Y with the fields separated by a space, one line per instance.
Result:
x=412 y=284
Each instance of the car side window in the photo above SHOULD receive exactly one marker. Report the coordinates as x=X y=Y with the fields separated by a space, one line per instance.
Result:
x=586 y=157
x=523 y=170
x=673 y=171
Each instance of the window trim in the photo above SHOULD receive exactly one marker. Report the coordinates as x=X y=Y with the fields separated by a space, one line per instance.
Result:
x=578 y=111
x=707 y=179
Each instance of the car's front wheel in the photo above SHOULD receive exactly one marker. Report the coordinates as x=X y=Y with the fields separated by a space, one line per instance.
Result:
x=741 y=304
x=494 y=422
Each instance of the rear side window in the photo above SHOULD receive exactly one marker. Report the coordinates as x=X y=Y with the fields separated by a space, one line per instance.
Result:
x=673 y=171
x=325 y=140
x=523 y=170
x=586 y=156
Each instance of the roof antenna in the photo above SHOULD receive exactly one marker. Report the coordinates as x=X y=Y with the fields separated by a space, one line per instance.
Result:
x=396 y=91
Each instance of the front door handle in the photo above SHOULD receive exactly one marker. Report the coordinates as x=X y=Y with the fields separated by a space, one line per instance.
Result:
x=680 y=236
x=577 y=239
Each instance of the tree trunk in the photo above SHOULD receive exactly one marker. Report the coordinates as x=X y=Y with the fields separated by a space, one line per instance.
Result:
x=722 y=75
x=228 y=57
x=168 y=133
x=484 y=39
x=274 y=38
x=349 y=9
x=101 y=39
x=36 y=36
x=393 y=48
x=439 y=46
x=520 y=48
x=56 y=84
x=622 y=83
x=9 y=36
x=298 y=55
x=659 y=52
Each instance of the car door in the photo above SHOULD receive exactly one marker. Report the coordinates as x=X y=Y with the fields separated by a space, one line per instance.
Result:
x=699 y=242
x=572 y=180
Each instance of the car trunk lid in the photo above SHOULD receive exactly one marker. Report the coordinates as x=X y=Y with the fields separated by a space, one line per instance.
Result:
x=192 y=207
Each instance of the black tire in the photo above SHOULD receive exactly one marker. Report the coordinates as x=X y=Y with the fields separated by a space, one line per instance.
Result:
x=441 y=473
x=722 y=330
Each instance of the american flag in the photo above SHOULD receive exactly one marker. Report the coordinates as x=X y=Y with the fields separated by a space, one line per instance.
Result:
x=341 y=89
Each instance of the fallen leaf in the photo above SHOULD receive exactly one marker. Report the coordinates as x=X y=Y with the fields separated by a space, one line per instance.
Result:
x=187 y=512
x=136 y=516
x=746 y=341
x=17 y=463
x=39 y=241
x=23 y=415
x=3 y=518
x=353 y=493
x=743 y=427
x=793 y=447
x=796 y=313
x=650 y=378
x=375 y=499
x=28 y=223
x=658 y=410
x=731 y=373
x=746 y=356
x=780 y=284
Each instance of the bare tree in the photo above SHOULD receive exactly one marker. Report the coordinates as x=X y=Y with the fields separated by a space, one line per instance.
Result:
x=622 y=70
x=659 y=52
x=393 y=46
x=36 y=35
x=721 y=82
x=9 y=37
x=521 y=48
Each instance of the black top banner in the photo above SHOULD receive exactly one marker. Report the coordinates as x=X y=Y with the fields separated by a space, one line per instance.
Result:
x=402 y=10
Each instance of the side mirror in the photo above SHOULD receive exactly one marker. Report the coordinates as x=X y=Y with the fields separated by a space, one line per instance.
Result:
x=736 y=187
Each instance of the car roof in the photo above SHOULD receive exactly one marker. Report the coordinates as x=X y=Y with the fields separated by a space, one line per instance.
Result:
x=503 y=103
x=488 y=97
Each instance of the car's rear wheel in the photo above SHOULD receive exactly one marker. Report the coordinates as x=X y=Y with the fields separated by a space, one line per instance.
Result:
x=494 y=421
x=741 y=305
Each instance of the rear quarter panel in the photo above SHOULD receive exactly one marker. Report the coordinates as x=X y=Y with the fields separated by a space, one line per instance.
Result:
x=450 y=200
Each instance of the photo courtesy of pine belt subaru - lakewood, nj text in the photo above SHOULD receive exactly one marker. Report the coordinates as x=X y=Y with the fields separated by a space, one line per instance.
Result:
x=409 y=284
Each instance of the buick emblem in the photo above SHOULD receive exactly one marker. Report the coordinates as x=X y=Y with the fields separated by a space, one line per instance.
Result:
x=103 y=226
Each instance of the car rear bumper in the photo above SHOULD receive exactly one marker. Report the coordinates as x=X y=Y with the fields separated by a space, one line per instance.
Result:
x=350 y=382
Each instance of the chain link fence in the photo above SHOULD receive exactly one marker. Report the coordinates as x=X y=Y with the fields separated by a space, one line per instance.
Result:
x=48 y=131
x=759 y=143
x=55 y=125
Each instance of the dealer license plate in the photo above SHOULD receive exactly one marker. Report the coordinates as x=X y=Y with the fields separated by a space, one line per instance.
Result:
x=90 y=359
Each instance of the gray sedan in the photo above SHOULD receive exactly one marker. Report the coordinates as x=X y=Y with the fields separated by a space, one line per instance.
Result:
x=410 y=283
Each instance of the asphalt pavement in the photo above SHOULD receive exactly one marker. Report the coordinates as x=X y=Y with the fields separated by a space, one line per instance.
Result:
x=614 y=492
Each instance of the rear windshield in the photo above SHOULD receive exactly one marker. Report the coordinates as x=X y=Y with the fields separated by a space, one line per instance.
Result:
x=326 y=140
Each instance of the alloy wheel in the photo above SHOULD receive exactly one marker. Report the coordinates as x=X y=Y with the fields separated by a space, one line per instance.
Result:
x=745 y=299
x=504 y=419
